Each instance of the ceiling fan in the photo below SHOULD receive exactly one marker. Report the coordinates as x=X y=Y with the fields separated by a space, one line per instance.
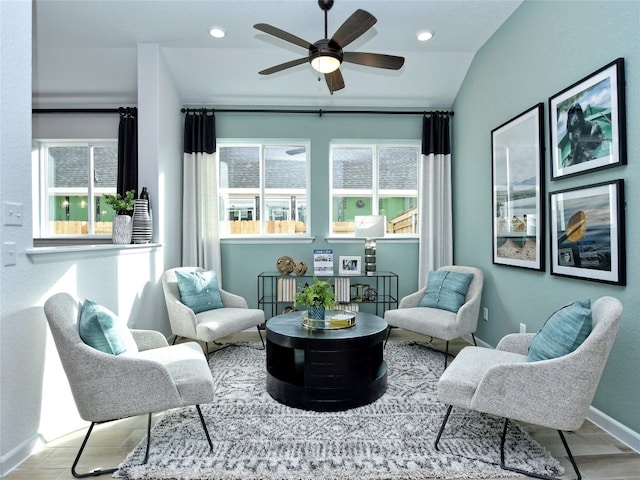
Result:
x=326 y=55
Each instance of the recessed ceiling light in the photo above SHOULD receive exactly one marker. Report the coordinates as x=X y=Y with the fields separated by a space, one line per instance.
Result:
x=216 y=32
x=425 y=35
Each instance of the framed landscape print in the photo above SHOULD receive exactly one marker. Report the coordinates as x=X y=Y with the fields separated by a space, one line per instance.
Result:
x=587 y=123
x=517 y=185
x=587 y=232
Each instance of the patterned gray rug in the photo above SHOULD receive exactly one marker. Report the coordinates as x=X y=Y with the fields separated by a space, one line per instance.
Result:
x=256 y=438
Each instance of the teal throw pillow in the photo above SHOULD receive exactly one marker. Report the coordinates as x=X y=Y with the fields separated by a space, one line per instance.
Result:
x=446 y=290
x=199 y=290
x=101 y=329
x=563 y=332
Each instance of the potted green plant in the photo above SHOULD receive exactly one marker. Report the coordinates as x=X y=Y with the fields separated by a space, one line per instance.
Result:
x=316 y=297
x=122 y=223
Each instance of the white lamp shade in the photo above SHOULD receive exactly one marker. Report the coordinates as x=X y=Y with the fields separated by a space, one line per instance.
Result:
x=370 y=226
x=325 y=64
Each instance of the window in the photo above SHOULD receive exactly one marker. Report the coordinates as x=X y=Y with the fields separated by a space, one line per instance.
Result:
x=73 y=178
x=375 y=179
x=263 y=188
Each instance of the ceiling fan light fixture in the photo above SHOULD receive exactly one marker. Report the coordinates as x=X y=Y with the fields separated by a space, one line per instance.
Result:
x=325 y=63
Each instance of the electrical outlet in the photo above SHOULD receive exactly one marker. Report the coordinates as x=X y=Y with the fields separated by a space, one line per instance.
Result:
x=485 y=314
x=8 y=253
x=523 y=328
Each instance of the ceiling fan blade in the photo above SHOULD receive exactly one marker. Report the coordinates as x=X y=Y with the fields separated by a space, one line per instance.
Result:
x=283 y=66
x=354 y=26
x=377 y=60
x=281 y=34
x=334 y=80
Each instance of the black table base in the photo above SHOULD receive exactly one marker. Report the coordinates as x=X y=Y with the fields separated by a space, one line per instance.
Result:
x=326 y=370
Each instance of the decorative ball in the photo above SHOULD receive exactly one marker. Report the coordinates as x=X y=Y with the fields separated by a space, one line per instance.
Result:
x=300 y=268
x=285 y=265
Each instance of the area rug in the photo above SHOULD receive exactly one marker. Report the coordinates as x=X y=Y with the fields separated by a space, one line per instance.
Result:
x=257 y=438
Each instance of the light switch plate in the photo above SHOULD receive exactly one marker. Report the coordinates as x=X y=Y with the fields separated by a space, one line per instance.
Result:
x=11 y=213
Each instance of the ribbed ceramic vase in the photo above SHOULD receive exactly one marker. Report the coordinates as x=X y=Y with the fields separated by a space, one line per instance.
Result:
x=121 y=229
x=142 y=228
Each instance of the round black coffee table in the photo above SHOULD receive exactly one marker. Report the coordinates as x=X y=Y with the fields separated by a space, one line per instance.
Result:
x=326 y=370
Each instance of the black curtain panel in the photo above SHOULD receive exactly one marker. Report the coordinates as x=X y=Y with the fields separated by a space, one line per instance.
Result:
x=128 y=150
x=200 y=132
x=435 y=135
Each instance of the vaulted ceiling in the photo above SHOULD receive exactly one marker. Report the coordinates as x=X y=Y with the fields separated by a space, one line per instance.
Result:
x=85 y=51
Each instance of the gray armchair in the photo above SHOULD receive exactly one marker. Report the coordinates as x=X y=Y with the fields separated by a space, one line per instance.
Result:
x=109 y=387
x=553 y=393
x=211 y=325
x=439 y=323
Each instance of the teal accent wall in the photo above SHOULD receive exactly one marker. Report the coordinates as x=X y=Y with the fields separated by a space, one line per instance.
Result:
x=544 y=47
x=241 y=262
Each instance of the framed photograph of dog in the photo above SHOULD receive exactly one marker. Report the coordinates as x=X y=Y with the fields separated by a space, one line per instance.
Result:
x=587 y=123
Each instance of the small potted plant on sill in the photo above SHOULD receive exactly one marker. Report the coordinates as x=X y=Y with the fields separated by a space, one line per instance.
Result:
x=122 y=223
x=316 y=297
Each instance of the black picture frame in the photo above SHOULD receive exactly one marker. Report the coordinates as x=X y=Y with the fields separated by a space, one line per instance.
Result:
x=517 y=175
x=587 y=232
x=587 y=126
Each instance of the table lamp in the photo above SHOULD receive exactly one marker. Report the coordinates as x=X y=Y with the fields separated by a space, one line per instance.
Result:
x=370 y=227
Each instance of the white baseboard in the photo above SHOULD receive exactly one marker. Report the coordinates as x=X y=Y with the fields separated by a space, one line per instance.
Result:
x=614 y=428
x=15 y=457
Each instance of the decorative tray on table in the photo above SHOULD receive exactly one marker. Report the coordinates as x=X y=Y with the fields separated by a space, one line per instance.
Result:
x=333 y=320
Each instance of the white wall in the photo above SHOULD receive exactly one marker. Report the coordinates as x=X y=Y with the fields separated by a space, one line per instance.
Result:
x=35 y=401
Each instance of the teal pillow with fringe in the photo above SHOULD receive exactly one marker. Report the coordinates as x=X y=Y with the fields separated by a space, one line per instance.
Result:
x=563 y=332
x=199 y=290
x=446 y=290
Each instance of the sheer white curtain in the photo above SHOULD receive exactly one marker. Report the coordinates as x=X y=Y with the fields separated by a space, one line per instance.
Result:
x=200 y=234
x=436 y=237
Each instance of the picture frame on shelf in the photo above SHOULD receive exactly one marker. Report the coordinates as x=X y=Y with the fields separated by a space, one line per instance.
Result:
x=517 y=171
x=587 y=231
x=350 y=265
x=587 y=123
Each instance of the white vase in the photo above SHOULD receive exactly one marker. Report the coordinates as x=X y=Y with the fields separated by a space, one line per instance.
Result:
x=142 y=228
x=121 y=229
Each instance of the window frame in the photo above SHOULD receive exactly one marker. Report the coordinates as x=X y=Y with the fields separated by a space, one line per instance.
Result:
x=374 y=191
x=41 y=205
x=265 y=194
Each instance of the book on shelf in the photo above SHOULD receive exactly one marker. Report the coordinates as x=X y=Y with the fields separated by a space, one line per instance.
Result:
x=342 y=289
x=348 y=307
x=286 y=289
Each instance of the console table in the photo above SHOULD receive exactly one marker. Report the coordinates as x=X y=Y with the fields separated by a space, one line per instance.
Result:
x=272 y=301
x=326 y=370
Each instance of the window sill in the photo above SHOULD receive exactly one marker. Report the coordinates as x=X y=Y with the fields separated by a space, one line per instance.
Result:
x=394 y=239
x=285 y=239
x=77 y=252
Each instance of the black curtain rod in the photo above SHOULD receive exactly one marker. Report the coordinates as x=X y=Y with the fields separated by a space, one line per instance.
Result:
x=318 y=112
x=79 y=110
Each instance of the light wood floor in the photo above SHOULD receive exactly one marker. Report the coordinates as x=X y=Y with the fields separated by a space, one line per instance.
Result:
x=599 y=455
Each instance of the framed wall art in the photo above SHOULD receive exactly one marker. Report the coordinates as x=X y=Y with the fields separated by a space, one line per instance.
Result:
x=587 y=123
x=587 y=232
x=350 y=265
x=517 y=184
